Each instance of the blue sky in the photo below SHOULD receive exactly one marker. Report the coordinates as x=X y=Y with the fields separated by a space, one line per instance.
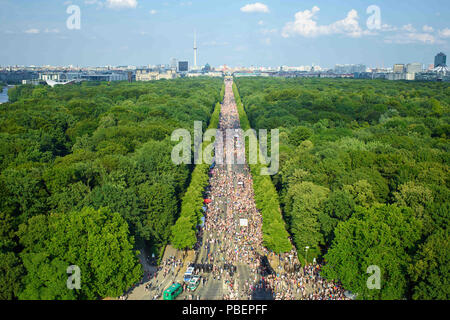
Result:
x=232 y=32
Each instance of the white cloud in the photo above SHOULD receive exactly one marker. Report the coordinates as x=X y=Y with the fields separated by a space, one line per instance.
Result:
x=445 y=33
x=268 y=31
x=349 y=25
x=119 y=4
x=422 y=37
x=255 y=7
x=427 y=28
x=412 y=37
x=99 y=3
x=388 y=28
x=260 y=22
x=409 y=35
x=153 y=11
x=409 y=28
x=32 y=31
x=51 y=30
x=306 y=26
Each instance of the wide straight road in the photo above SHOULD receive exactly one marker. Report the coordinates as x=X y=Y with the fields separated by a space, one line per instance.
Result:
x=232 y=238
x=230 y=256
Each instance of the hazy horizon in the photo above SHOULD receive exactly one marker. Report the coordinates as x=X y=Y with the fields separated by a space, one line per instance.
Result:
x=236 y=33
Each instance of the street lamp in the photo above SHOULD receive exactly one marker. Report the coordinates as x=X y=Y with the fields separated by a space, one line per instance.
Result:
x=306 y=256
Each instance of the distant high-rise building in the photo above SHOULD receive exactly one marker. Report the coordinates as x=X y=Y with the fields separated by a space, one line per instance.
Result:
x=183 y=66
x=173 y=64
x=399 y=68
x=349 y=68
x=414 y=68
x=400 y=76
x=440 y=60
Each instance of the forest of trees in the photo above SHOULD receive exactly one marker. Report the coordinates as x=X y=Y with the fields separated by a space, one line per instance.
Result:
x=85 y=176
x=184 y=231
x=364 y=177
x=86 y=179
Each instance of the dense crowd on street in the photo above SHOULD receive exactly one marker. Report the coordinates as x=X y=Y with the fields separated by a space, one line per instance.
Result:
x=232 y=235
x=227 y=241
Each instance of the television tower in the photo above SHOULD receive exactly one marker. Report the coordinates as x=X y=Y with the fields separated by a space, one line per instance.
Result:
x=195 y=49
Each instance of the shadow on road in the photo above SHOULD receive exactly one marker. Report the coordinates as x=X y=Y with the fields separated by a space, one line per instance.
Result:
x=262 y=292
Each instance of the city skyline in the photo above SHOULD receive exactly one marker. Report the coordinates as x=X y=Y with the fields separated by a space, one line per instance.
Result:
x=241 y=33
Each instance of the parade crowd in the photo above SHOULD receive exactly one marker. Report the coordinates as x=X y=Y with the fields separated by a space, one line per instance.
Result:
x=226 y=240
x=230 y=243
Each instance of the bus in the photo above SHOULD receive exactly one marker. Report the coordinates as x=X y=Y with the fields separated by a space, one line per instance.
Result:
x=172 y=292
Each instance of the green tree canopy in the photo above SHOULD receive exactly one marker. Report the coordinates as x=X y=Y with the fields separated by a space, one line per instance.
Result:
x=382 y=236
x=97 y=241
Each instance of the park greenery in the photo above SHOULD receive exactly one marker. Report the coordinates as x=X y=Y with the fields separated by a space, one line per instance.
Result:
x=184 y=232
x=364 y=178
x=86 y=179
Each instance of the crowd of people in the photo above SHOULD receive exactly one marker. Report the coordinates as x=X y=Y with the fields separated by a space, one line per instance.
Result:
x=170 y=266
x=230 y=243
x=232 y=232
